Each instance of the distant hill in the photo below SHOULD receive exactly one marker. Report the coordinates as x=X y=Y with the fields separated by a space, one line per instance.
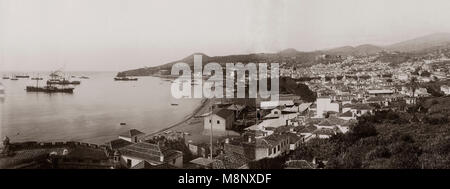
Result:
x=290 y=56
x=303 y=59
x=360 y=50
x=422 y=43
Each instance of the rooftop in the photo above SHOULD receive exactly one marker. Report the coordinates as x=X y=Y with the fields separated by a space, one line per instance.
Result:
x=131 y=133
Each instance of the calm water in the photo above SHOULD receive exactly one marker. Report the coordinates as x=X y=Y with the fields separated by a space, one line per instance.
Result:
x=94 y=111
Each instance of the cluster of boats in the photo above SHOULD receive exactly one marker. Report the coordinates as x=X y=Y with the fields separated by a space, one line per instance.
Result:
x=56 y=83
x=16 y=77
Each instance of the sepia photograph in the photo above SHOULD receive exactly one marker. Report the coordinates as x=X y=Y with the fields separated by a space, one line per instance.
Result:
x=225 y=84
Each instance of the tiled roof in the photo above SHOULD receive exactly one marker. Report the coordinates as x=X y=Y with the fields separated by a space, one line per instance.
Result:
x=147 y=165
x=270 y=141
x=298 y=164
x=131 y=133
x=305 y=129
x=346 y=114
x=203 y=161
x=143 y=150
x=324 y=132
x=359 y=106
x=326 y=122
x=236 y=107
x=118 y=143
x=293 y=138
x=223 y=113
x=230 y=161
x=375 y=99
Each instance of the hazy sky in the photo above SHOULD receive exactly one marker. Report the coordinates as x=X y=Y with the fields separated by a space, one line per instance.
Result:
x=123 y=34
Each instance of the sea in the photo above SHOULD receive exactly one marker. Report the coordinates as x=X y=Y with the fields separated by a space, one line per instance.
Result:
x=93 y=113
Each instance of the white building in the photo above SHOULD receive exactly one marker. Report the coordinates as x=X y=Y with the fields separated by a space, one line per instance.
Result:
x=445 y=89
x=324 y=105
x=140 y=154
x=221 y=120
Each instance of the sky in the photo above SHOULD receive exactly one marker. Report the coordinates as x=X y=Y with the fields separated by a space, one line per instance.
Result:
x=116 y=35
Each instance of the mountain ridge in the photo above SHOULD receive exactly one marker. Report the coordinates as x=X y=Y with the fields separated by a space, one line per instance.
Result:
x=307 y=58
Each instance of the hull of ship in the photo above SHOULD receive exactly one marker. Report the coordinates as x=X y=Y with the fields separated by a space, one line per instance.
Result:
x=46 y=90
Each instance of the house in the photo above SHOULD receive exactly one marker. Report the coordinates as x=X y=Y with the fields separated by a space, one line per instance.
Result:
x=377 y=100
x=335 y=124
x=237 y=109
x=274 y=104
x=203 y=163
x=411 y=100
x=153 y=154
x=324 y=105
x=298 y=109
x=117 y=144
x=323 y=133
x=272 y=146
x=358 y=109
x=259 y=148
x=281 y=120
x=380 y=92
x=294 y=141
x=274 y=113
x=220 y=120
x=348 y=115
x=132 y=135
x=445 y=89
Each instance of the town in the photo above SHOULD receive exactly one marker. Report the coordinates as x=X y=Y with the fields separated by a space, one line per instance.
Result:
x=318 y=105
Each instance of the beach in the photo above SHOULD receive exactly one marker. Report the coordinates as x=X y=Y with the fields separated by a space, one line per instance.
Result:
x=192 y=124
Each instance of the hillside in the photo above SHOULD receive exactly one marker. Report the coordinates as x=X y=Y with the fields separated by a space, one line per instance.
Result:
x=360 y=50
x=422 y=43
x=304 y=59
x=290 y=56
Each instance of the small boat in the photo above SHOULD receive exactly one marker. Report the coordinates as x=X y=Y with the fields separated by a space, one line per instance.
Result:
x=125 y=79
x=14 y=78
x=37 y=78
x=123 y=123
x=174 y=104
x=5 y=77
x=84 y=77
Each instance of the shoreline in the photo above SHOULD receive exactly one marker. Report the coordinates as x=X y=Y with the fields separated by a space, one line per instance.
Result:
x=204 y=105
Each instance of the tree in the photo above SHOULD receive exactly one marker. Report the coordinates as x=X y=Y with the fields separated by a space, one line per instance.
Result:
x=413 y=85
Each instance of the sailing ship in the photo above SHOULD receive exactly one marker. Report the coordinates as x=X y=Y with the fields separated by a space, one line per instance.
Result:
x=56 y=79
x=125 y=79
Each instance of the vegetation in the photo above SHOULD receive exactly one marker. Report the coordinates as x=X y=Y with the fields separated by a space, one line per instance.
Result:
x=268 y=163
x=416 y=139
x=289 y=85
